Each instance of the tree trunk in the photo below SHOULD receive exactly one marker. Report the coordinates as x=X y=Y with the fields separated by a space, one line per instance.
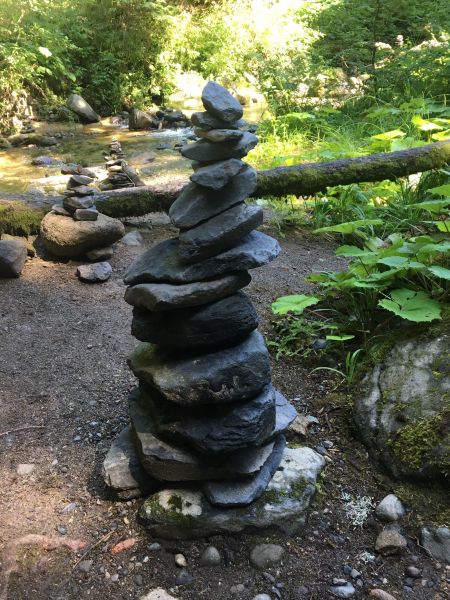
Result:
x=299 y=180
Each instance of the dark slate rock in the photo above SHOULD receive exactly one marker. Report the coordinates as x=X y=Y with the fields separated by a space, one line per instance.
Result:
x=76 y=180
x=219 y=233
x=82 y=190
x=205 y=151
x=218 y=428
x=220 y=103
x=60 y=210
x=122 y=470
x=219 y=135
x=72 y=203
x=162 y=262
x=285 y=414
x=218 y=324
x=13 y=255
x=206 y=121
x=164 y=296
x=217 y=175
x=195 y=204
x=95 y=272
x=80 y=107
x=168 y=462
x=237 y=373
x=86 y=214
x=242 y=493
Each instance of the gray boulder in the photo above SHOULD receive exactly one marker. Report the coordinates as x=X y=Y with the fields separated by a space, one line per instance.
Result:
x=402 y=409
x=220 y=103
x=67 y=238
x=219 y=135
x=97 y=272
x=80 y=107
x=390 y=541
x=436 y=540
x=390 y=509
x=164 y=296
x=141 y=120
x=13 y=255
x=223 y=376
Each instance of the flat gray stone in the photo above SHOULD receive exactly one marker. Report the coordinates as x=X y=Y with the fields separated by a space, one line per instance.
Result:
x=165 y=296
x=241 y=493
x=343 y=591
x=219 y=135
x=207 y=121
x=73 y=203
x=82 y=190
x=205 y=151
x=166 y=461
x=77 y=180
x=217 y=175
x=283 y=507
x=220 y=103
x=122 y=470
x=214 y=325
x=60 y=210
x=215 y=429
x=163 y=264
x=13 y=255
x=195 y=204
x=264 y=556
x=86 y=214
x=219 y=377
x=285 y=413
x=390 y=509
x=80 y=107
x=94 y=272
x=219 y=233
x=436 y=541
x=157 y=594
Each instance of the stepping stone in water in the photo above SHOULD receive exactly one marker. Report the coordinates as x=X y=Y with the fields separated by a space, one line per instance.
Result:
x=168 y=462
x=195 y=204
x=219 y=135
x=215 y=429
x=220 y=103
x=213 y=325
x=205 y=151
x=164 y=296
x=219 y=233
x=217 y=175
x=237 y=373
x=207 y=121
x=163 y=264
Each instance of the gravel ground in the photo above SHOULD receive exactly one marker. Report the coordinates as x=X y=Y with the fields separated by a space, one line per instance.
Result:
x=63 y=375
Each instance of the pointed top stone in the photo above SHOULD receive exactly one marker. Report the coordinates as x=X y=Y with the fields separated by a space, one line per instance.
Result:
x=220 y=103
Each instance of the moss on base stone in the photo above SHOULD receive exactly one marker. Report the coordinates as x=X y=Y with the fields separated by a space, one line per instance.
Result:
x=182 y=513
x=17 y=219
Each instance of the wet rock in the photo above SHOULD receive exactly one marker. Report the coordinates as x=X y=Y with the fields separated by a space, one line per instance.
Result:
x=219 y=135
x=212 y=325
x=266 y=555
x=164 y=296
x=95 y=272
x=122 y=470
x=13 y=255
x=390 y=541
x=36 y=139
x=195 y=204
x=237 y=373
x=141 y=120
x=343 y=591
x=242 y=493
x=390 y=509
x=220 y=103
x=100 y=253
x=184 y=514
x=216 y=429
x=163 y=264
x=210 y=557
x=205 y=151
x=46 y=161
x=217 y=175
x=219 y=233
x=80 y=107
x=436 y=541
x=70 y=239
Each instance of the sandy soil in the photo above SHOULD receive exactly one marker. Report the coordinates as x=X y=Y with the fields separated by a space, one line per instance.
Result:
x=63 y=374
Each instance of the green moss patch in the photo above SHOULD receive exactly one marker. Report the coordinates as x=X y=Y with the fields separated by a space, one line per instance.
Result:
x=17 y=219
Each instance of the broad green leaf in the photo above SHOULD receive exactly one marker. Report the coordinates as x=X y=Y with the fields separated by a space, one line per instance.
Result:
x=441 y=190
x=389 y=135
x=352 y=251
x=441 y=135
x=443 y=226
x=434 y=206
x=295 y=303
x=393 y=261
x=349 y=227
x=424 y=124
x=440 y=272
x=434 y=248
x=412 y=305
x=339 y=338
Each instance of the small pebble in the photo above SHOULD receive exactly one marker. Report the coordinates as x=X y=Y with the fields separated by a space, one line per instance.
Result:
x=343 y=591
x=115 y=578
x=303 y=592
x=210 y=557
x=180 y=560
x=262 y=597
x=237 y=589
x=154 y=547
x=184 y=578
x=138 y=579
x=85 y=566
x=413 y=572
x=62 y=530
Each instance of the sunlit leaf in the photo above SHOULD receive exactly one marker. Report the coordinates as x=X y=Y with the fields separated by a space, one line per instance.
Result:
x=340 y=338
x=349 y=227
x=424 y=124
x=412 y=305
x=443 y=226
x=441 y=190
x=434 y=206
x=440 y=272
x=296 y=304
x=389 y=135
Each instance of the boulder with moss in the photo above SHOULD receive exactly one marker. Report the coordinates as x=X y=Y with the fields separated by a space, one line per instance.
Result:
x=402 y=409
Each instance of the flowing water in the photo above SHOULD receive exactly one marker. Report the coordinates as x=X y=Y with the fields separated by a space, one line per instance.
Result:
x=85 y=145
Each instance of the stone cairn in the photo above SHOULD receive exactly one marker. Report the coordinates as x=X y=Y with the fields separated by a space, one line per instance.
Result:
x=205 y=411
x=78 y=200
x=120 y=174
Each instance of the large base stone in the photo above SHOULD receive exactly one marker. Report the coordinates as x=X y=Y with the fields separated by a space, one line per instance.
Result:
x=64 y=237
x=283 y=507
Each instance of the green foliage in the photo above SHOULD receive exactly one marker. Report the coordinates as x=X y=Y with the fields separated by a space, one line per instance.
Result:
x=17 y=219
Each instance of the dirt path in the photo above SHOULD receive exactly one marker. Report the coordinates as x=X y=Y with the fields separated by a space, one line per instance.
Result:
x=63 y=348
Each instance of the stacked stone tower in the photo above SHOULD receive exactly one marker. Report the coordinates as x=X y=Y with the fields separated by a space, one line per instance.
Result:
x=205 y=411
